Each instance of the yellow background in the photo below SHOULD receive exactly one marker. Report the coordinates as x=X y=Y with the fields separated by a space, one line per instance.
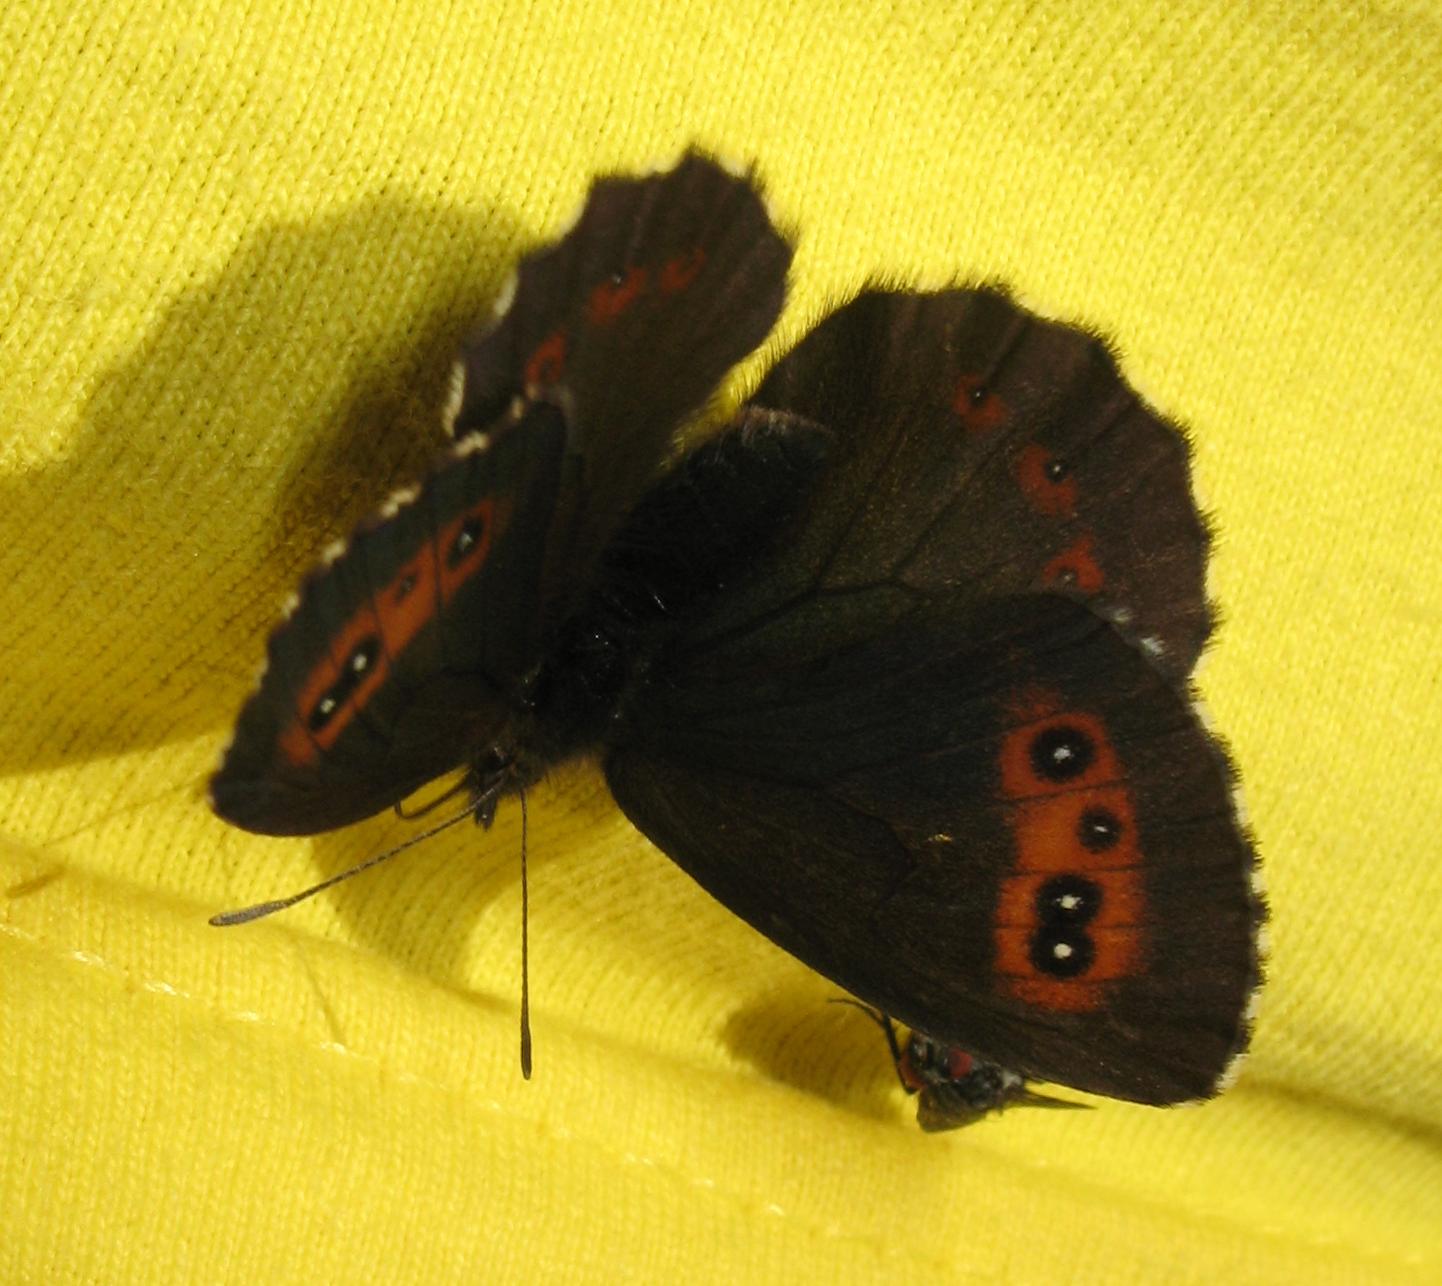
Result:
x=236 y=244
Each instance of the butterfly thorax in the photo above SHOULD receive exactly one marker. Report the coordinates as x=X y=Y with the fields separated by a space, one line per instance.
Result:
x=686 y=541
x=568 y=702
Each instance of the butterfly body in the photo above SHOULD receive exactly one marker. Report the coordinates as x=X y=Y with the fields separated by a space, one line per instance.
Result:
x=894 y=664
x=672 y=556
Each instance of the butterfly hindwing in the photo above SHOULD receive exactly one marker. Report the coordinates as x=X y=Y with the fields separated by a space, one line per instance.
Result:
x=1003 y=826
x=401 y=652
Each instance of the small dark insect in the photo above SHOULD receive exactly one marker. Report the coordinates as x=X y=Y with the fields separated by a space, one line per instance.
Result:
x=953 y=1088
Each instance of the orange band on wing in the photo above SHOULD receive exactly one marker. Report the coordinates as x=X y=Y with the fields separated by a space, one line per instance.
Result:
x=459 y=565
x=1076 y=565
x=1020 y=778
x=546 y=364
x=1117 y=952
x=299 y=744
x=1060 y=997
x=1048 y=832
x=1069 y=918
x=1120 y=907
x=401 y=609
x=611 y=298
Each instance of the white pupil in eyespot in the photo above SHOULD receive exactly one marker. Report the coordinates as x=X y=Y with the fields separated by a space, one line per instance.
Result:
x=1062 y=950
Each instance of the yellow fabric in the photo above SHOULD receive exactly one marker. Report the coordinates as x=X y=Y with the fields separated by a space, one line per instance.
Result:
x=238 y=242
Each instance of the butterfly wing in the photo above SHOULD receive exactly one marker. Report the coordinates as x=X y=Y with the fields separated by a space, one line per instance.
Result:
x=999 y=823
x=844 y=745
x=401 y=651
x=982 y=448
x=405 y=650
x=628 y=323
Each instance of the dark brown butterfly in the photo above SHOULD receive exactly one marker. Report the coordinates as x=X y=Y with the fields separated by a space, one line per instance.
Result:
x=895 y=665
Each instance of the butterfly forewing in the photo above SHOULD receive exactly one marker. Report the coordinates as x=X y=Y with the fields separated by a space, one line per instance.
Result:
x=982 y=448
x=628 y=323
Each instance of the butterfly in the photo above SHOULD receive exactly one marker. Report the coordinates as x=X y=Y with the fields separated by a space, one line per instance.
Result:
x=895 y=664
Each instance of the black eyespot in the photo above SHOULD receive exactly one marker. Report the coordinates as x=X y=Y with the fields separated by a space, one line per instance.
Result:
x=1061 y=753
x=1099 y=829
x=466 y=540
x=1062 y=951
x=1056 y=470
x=1068 y=899
x=404 y=587
x=357 y=665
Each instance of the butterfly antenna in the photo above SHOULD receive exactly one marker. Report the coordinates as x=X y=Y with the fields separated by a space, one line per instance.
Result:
x=262 y=909
x=525 y=949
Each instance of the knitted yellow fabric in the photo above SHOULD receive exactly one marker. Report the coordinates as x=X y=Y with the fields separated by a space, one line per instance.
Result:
x=237 y=242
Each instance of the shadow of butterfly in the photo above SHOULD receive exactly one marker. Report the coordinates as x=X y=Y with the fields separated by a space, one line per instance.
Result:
x=895 y=665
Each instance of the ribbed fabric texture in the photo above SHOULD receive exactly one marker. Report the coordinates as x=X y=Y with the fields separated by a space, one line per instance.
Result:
x=237 y=243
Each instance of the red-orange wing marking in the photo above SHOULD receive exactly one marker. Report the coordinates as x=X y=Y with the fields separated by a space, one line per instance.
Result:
x=1069 y=918
x=478 y=524
x=680 y=272
x=611 y=298
x=978 y=408
x=1055 y=497
x=302 y=743
x=1076 y=565
x=547 y=363
x=401 y=609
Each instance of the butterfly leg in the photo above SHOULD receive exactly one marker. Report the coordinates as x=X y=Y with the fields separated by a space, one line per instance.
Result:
x=888 y=1029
